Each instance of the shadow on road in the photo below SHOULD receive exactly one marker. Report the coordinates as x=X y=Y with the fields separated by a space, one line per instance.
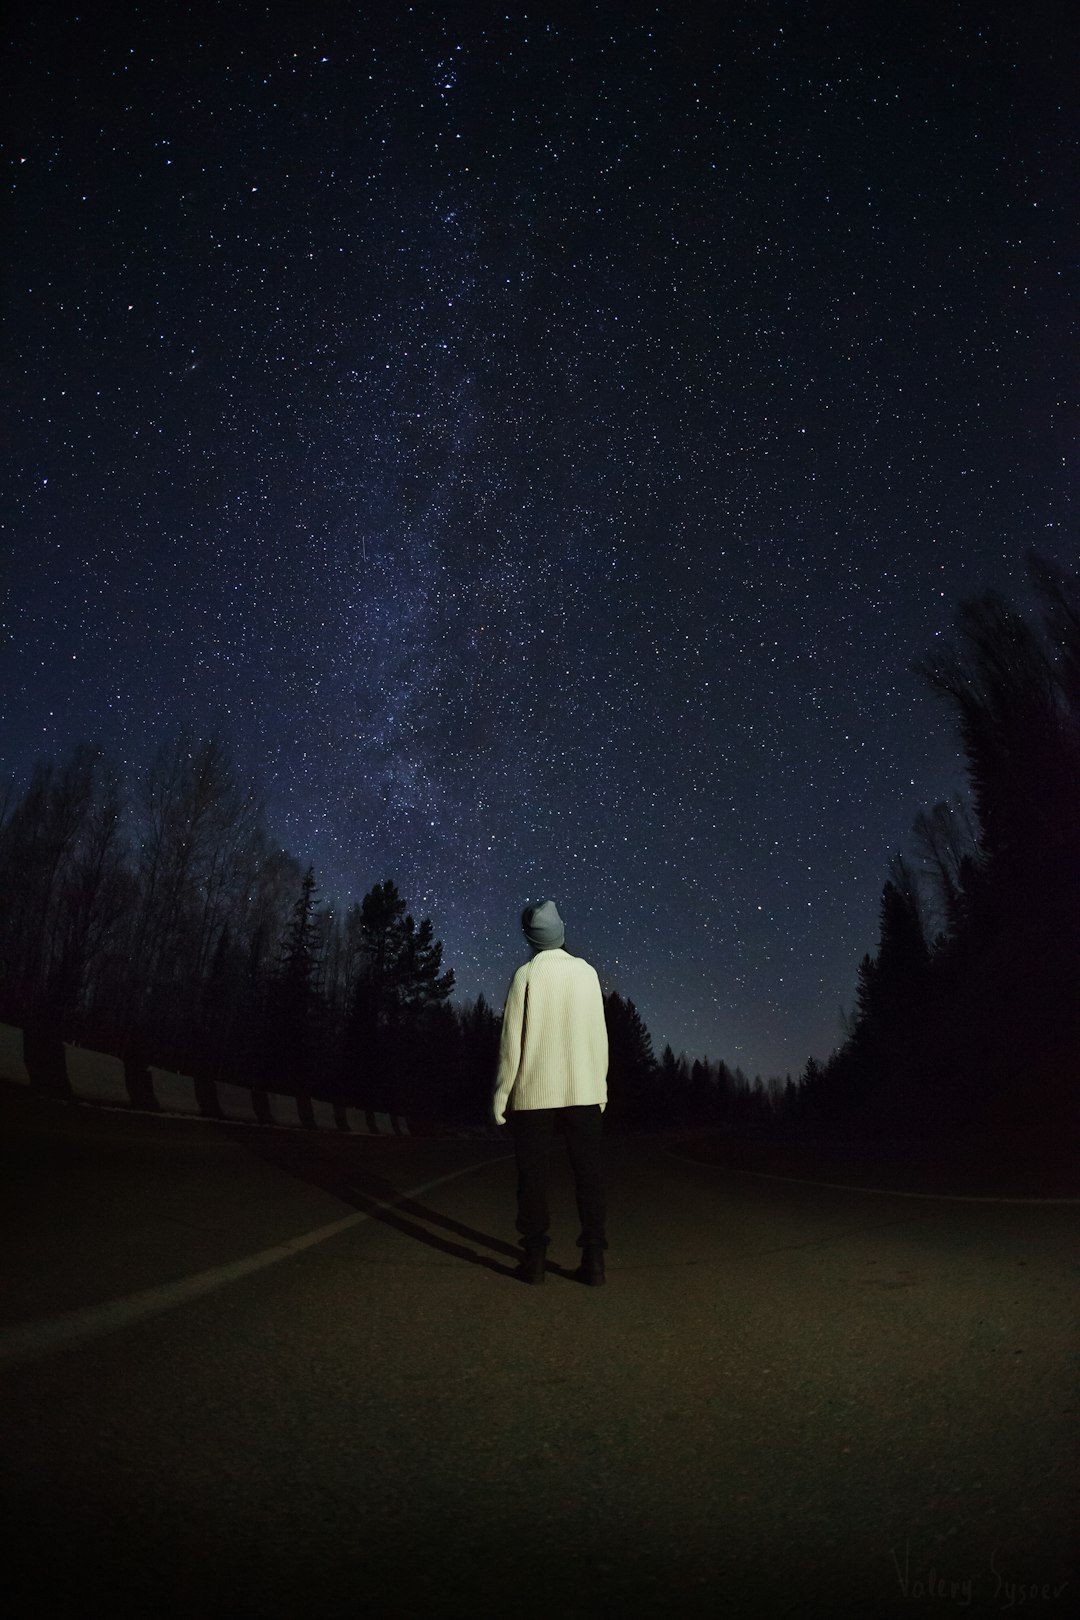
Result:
x=376 y=1196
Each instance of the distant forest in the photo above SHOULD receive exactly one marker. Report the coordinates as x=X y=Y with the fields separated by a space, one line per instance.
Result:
x=164 y=925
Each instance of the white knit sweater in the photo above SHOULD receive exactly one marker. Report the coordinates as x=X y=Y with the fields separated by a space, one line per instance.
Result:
x=554 y=1047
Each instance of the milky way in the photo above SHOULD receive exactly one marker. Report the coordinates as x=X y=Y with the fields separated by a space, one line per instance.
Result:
x=542 y=446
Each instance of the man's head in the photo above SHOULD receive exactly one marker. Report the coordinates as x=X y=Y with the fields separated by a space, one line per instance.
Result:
x=543 y=926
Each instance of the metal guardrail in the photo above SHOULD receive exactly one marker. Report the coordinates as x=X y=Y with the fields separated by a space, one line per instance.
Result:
x=98 y=1077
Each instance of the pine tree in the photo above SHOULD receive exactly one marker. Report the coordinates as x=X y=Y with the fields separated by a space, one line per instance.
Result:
x=674 y=1088
x=293 y=993
x=479 y=1028
x=631 y=1065
x=888 y=1047
x=399 y=984
x=298 y=947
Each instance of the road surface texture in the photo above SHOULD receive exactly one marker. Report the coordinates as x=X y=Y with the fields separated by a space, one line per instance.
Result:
x=786 y=1400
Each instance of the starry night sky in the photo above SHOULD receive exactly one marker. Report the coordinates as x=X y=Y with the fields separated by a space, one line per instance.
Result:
x=541 y=440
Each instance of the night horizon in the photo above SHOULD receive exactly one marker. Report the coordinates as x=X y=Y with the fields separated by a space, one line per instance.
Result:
x=541 y=451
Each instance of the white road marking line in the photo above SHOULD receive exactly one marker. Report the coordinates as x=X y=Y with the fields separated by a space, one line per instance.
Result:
x=28 y=1341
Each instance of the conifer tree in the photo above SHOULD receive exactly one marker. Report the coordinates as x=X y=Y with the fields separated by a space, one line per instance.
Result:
x=399 y=984
x=631 y=1065
x=293 y=992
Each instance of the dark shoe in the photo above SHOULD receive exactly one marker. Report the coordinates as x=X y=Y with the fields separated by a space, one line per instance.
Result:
x=533 y=1267
x=591 y=1269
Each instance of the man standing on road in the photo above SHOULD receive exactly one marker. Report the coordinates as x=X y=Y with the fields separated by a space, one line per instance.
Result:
x=553 y=1061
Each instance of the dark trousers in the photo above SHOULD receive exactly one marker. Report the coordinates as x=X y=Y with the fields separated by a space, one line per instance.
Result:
x=533 y=1129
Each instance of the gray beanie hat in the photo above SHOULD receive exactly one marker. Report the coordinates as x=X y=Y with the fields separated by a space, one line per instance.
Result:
x=543 y=926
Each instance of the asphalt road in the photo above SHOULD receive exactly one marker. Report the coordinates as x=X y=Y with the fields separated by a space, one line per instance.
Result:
x=786 y=1401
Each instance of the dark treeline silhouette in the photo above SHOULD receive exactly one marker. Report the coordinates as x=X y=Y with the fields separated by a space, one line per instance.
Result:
x=171 y=929
x=967 y=1017
x=165 y=927
x=645 y=1094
